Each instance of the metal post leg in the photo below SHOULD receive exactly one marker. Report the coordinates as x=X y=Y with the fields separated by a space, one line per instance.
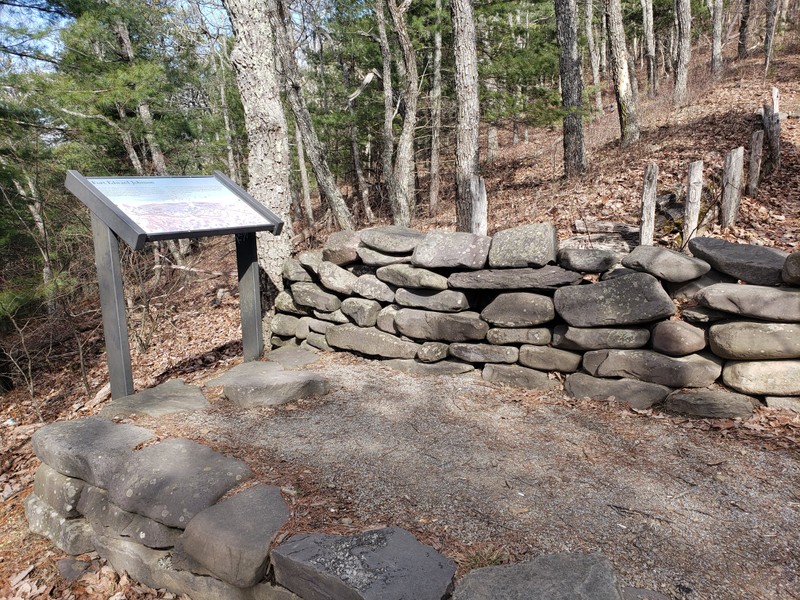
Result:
x=249 y=295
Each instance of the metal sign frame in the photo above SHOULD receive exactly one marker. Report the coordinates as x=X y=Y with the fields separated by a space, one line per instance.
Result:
x=110 y=223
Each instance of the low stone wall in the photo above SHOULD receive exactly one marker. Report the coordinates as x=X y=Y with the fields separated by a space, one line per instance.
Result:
x=648 y=326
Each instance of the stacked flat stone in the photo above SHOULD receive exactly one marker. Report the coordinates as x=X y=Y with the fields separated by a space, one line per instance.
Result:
x=157 y=513
x=711 y=334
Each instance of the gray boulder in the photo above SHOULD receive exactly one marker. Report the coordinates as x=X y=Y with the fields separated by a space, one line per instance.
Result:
x=791 y=403
x=284 y=325
x=369 y=286
x=272 y=387
x=73 y=536
x=384 y=564
x=790 y=273
x=294 y=271
x=484 y=353
x=385 y=321
x=313 y=296
x=285 y=303
x=587 y=260
x=232 y=539
x=539 y=336
x=408 y=276
x=519 y=309
x=760 y=302
x=666 y=264
x=310 y=259
x=687 y=290
x=757 y=265
x=58 y=491
x=517 y=376
x=677 y=338
x=546 y=278
x=318 y=341
x=767 y=377
x=599 y=338
x=174 y=480
x=549 y=577
x=714 y=404
x=637 y=394
x=337 y=316
x=440 y=249
x=336 y=279
x=377 y=259
x=752 y=340
x=524 y=246
x=443 y=367
x=91 y=448
x=370 y=341
x=392 y=239
x=363 y=312
x=545 y=358
x=431 y=352
x=444 y=301
x=628 y=300
x=342 y=247
x=695 y=370
x=447 y=327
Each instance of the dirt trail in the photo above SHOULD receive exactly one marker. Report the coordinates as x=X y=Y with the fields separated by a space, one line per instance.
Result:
x=490 y=474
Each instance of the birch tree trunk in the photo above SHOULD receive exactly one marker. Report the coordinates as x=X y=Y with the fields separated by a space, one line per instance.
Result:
x=304 y=186
x=683 y=9
x=254 y=60
x=769 y=33
x=744 y=23
x=627 y=107
x=716 y=39
x=436 y=113
x=468 y=199
x=571 y=87
x=649 y=46
x=594 y=55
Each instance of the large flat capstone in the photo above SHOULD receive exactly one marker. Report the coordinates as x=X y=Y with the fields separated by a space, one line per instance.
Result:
x=384 y=564
x=370 y=341
x=439 y=249
x=174 y=480
x=546 y=278
x=714 y=404
x=695 y=370
x=627 y=300
x=550 y=577
x=637 y=394
x=524 y=246
x=171 y=397
x=760 y=302
x=757 y=265
x=232 y=538
x=666 y=264
x=392 y=239
x=90 y=448
x=266 y=383
x=449 y=327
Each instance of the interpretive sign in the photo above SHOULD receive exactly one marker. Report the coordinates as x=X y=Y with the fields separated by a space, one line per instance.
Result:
x=147 y=209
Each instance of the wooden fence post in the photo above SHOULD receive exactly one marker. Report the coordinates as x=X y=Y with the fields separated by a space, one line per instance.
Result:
x=754 y=172
x=771 y=119
x=694 y=192
x=731 y=187
x=648 y=219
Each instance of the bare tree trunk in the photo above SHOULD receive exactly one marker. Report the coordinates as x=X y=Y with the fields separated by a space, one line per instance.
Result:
x=575 y=162
x=436 y=113
x=716 y=39
x=492 y=147
x=304 y=186
x=468 y=200
x=744 y=23
x=233 y=168
x=594 y=55
x=626 y=105
x=387 y=152
x=769 y=34
x=604 y=46
x=683 y=9
x=650 y=46
x=254 y=59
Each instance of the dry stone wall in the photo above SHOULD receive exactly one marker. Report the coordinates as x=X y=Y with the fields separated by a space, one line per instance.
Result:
x=713 y=333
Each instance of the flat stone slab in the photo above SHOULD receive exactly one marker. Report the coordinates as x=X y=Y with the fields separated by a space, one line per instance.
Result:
x=519 y=309
x=442 y=367
x=695 y=370
x=753 y=340
x=628 y=300
x=90 y=448
x=98 y=510
x=378 y=259
x=310 y=259
x=637 y=394
x=767 y=377
x=166 y=399
x=255 y=368
x=688 y=290
x=284 y=325
x=532 y=245
x=678 y=338
x=384 y=564
x=431 y=352
x=758 y=301
x=294 y=271
x=232 y=538
x=458 y=250
x=550 y=577
x=791 y=403
x=364 y=312
x=313 y=296
x=546 y=278
x=392 y=239
x=599 y=338
x=666 y=264
x=757 y=265
x=713 y=404
x=449 y=327
x=703 y=314
x=444 y=301
x=370 y=341
x=274 y=387
x=71 y=569
x=408 y=276
x=296 y=358
x=60 y=492
x=341 y=247
x=284 y=302
x=73 y=536
x=372 y=288
x=517 y=376
x=587 y=260
x=174 y=480
x=335 y=278
x=545 y=358
x=336 y=316
x=537 y=336
x=484 y=353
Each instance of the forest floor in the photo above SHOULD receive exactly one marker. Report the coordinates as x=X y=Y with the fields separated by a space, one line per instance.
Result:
x=695 y=509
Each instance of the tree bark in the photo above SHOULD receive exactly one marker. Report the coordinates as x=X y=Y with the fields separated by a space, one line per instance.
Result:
x=744 y=23
x=769 y=33
x=716 y=39
x=575 y=162
x=683 y=9
x=627 y=107
x=468 y=199
x=436 y=113
x=594 y=56
x=649 y=46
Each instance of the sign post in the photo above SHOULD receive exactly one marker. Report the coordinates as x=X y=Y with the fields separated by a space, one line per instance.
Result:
x=147 y=209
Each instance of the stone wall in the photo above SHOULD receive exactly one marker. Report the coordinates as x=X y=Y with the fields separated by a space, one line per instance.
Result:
x=646 y=326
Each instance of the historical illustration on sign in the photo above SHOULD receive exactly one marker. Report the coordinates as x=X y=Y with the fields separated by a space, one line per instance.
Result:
x=179 y=204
